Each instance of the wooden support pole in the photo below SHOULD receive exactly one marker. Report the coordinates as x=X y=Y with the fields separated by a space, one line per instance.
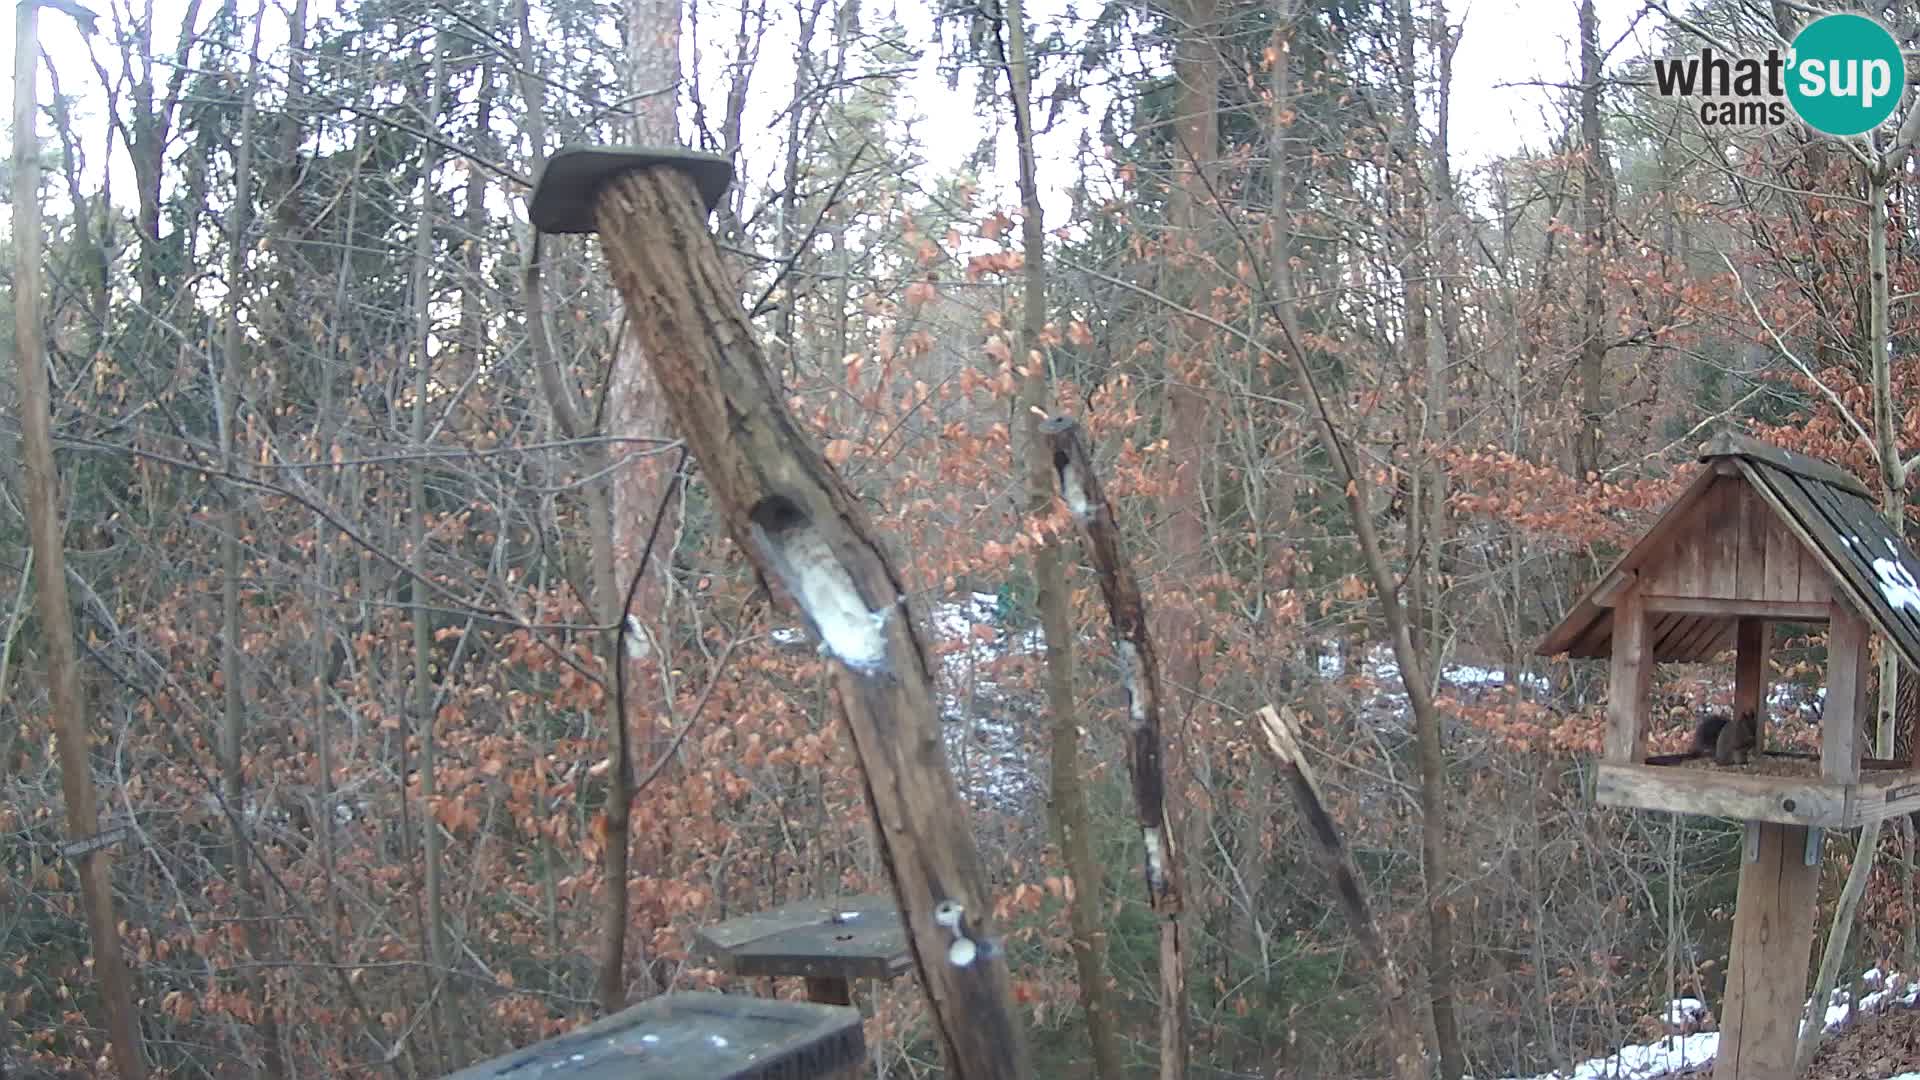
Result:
x=830 y=990
x=1767 y=970
x=1283 y=743
x=1846 y=708
x=1750 y=676
x=804 y=530
x=1773 y=917
x=1631 y=680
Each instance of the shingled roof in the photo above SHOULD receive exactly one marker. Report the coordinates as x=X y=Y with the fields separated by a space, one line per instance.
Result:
x=1830 y=517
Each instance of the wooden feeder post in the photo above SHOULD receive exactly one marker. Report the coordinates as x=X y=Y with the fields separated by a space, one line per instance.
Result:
x=788 y=509
x=1762 y=535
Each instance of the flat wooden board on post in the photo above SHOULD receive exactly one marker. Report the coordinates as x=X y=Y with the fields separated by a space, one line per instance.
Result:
x=828 y=942
x=695 y=1036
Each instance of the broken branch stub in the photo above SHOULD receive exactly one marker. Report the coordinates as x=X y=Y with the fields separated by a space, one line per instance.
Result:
x=784 y=504
x=1126 y=612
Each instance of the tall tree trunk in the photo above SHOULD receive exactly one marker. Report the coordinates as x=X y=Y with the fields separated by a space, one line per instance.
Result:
x=1068 y=794
x=1416 y=287
x=634 y=407
x=1280 y=209
x=572 y=419
x=1596 y=205
x=1425 y=513
x=42 y=493
x=1356 y=487
x=233 y=748
x=1893 y=503
x=798 y=110
x=1444 y=324
x=1195 y=140
x=473 y=282
x=439 y=955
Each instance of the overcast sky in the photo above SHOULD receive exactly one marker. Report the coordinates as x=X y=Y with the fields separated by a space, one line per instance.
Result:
x=1509 y=49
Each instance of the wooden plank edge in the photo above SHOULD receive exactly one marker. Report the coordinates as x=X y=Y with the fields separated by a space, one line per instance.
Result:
x=1703 y=793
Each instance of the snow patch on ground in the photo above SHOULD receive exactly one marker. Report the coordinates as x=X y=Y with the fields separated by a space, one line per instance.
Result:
x=1383 y=697
x=992 y=762
x=1683 y=1011
x=1639 y=1062
x=1678 y=1052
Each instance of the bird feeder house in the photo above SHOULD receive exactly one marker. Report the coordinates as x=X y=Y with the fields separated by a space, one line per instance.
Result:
x=1762 y=535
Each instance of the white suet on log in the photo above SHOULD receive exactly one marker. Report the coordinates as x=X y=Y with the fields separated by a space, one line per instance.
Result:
x=1136 y=680
x=1074 y=490
x=815 y=578
x=1156 y=857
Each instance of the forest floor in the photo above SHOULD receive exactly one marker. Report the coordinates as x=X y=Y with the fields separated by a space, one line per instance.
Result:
x=1884 y=1044
x=1881 y=1044
x=1878 y=1041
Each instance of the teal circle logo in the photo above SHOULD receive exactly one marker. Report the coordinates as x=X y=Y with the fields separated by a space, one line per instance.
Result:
x=1846 y=74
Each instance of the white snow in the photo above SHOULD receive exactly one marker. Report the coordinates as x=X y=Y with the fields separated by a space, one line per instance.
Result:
x=1685 y=1011
x=1678 y=1052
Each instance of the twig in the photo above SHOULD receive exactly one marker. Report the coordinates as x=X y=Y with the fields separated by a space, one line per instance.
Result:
x=625 y=624
x=1780 y=343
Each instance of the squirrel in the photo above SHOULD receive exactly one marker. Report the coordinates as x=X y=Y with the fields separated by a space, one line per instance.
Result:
x=1729 y=741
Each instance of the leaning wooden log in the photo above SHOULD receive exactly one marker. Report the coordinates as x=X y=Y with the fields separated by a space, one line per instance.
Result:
x=1283 y=742
x=1127 y=616
x=804 y=530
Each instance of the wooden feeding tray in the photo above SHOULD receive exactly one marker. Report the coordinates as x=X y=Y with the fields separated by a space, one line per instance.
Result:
x=1781 y=788
x=828 y=942
x=697 y=1037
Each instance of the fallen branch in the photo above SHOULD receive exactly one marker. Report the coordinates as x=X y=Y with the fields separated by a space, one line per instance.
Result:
x=1283 y=743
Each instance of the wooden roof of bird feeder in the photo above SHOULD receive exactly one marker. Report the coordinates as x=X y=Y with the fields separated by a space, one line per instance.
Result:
x=697 y=1037
x=1762 y=534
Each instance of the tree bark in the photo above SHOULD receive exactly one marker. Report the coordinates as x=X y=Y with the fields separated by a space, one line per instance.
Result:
x=1195 y=139
x=50 y=563
x=807 y=533
x=438 y=953
x=233 y=750
x=1160 y=836
x=1429 y=510
x=1596 y=204
x=807 y=12
x=1436 y=870
x=1417 y=286
x=634 y=406
x=1068 y=797
x=1893 y=500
